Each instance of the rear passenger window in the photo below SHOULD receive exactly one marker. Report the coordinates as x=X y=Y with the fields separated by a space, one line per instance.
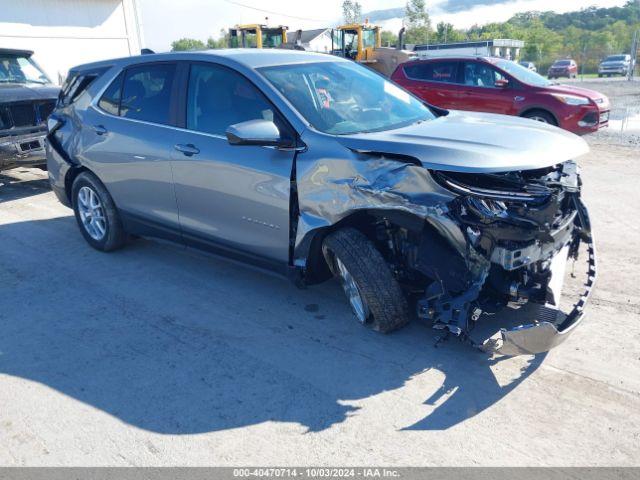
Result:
x=433 y=71
x=110 y=101
x=146 y=93
x=219 y=97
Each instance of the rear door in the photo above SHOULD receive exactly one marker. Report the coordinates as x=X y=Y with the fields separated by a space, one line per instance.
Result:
x=234 y=198
x=434 y=82
x=130 y=137
x=481 y=91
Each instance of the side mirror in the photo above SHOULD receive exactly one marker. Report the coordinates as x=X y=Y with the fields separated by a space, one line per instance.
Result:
x=254 y=132
x=502 y=83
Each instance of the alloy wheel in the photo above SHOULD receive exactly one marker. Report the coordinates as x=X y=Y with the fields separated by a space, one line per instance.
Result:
x=539 y=119
x=92 y=213
x=358 y=305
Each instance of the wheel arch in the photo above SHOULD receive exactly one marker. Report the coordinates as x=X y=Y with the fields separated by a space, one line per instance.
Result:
x=537 y=108
x=310 y=249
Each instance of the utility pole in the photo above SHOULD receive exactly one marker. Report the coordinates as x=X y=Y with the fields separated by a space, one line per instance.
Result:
x=634 y=54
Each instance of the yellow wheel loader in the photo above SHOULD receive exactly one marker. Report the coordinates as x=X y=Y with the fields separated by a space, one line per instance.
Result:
x=257 y=36
x=362 y=43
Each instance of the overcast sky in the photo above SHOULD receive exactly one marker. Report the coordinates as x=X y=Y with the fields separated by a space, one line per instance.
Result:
x=167 y=20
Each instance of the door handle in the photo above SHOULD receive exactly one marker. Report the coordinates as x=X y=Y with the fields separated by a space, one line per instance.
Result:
x=188 y=149
x=99 y=129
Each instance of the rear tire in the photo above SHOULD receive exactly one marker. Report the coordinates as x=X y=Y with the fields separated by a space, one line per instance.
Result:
x=375 y=295
x=541 y=116
x=96 y=214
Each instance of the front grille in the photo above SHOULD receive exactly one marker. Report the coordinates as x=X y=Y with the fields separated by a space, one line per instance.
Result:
x=25 y=114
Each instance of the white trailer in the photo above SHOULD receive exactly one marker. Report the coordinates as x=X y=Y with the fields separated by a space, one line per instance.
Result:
x=500 y=47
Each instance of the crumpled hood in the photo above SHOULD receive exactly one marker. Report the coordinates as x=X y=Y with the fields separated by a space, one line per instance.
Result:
x=475 y=142
x=18 y=92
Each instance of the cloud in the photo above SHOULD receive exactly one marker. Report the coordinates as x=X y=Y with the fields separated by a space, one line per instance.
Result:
x=453 y=6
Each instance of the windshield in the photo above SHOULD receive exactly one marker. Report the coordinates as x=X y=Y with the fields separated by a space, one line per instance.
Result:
x=561 y=63
x=343 y=98
x=615 y=58
x=20 y=69
x=523 y=74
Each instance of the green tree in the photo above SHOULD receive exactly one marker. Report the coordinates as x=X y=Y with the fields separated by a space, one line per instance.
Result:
x=351 y=11
x=418 y=23
x=222 y=42
x=388 y=38
x=416 y=14
x=445 y=33
x=187 y=44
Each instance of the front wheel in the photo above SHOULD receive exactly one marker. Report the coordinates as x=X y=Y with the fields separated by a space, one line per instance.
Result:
x=541 y=116
x=96 y=213
x=373 y=292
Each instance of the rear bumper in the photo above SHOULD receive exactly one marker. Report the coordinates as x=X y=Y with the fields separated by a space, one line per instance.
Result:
x=22 y=150
x=543 y=334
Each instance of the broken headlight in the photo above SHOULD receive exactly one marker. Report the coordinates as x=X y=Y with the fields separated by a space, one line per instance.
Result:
x=487 y=208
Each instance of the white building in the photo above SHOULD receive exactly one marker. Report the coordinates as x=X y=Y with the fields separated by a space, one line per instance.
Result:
x=64 y=33
x=318 y=40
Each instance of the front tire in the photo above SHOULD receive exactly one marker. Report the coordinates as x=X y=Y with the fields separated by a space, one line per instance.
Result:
x=373 y=292
x=541 y=116
x=96 y=214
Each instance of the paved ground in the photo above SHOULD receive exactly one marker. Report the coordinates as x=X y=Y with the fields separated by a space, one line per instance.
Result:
x=157 y=355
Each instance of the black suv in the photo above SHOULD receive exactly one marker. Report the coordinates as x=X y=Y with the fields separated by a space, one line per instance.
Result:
x=27 y=97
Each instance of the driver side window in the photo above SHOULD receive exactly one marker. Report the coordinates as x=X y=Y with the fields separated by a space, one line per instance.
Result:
x=218 y=97
x=479 y=74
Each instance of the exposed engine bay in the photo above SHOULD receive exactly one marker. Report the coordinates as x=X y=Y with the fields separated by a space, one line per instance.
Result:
x=516 y=225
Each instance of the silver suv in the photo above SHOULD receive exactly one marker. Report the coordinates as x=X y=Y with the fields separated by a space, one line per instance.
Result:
x=315 y=166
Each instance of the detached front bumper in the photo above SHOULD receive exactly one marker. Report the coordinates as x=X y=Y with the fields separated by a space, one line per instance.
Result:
x=22 y=150
x=546 y=333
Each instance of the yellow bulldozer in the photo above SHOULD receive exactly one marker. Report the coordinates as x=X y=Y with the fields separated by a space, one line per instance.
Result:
x=363 y=44
x=257 y=36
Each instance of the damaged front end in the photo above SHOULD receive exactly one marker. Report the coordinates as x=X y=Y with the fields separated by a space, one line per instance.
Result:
x=521 y=228
x=463 y=245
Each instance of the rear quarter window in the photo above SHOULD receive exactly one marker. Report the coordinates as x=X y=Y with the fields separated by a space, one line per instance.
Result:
x=76 y=84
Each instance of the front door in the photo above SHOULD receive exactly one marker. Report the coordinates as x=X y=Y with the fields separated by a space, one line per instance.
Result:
x=485 y=90
x=235 y=197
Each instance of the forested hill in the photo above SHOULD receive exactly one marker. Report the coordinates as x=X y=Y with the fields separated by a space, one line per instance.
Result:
x=586 y=35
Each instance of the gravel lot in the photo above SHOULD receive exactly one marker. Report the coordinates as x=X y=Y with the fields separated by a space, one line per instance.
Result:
x=159 y=355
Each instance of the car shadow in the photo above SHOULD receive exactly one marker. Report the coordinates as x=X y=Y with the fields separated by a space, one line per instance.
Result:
x=178 y=342
x=13 y=187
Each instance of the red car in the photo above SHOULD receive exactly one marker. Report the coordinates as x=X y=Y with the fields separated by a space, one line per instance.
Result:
x=495 y=85
x=563 y=68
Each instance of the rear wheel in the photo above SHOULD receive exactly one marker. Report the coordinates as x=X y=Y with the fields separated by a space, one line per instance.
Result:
x=541 y=116
x=374 y=294
x=96 y=214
